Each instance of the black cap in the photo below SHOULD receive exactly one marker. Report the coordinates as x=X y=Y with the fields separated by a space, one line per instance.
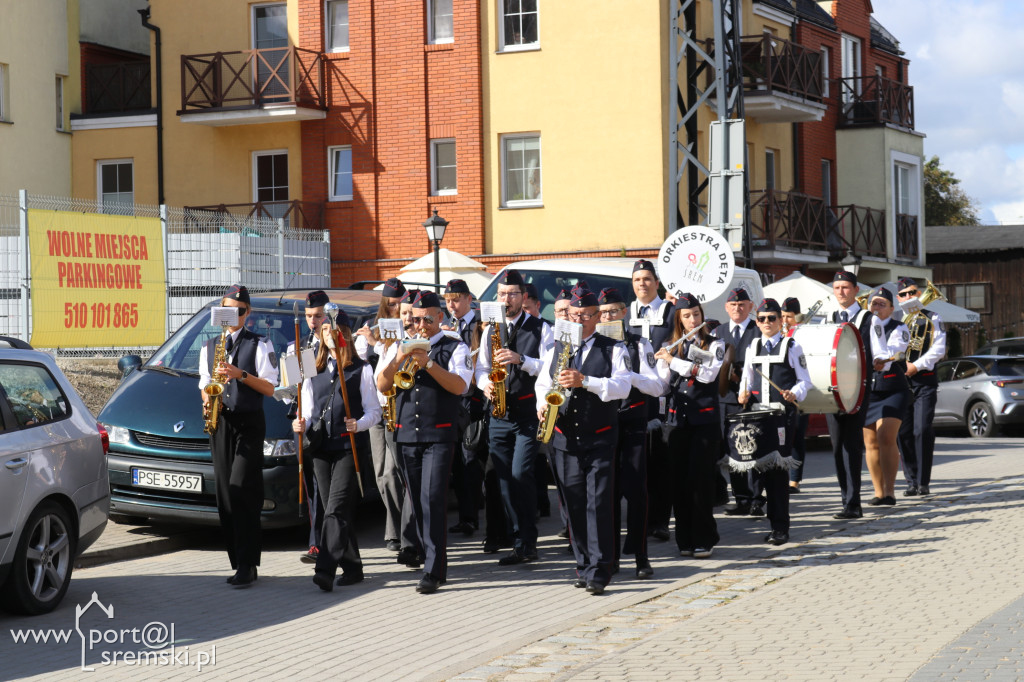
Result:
x=237 y=292
x=409 y=296
x=686 y=301
x=905 y=283
x=531 y=291
x=770 y=305
x=393 y=288
x=791 y=305
x=564 y=295
x=427 y=299
x=712 y=324
x=845 y=276
x=645 y=265
x=512 y=278
x=583 y=298
x=315 y=299
x=582 y=284
x=456 y=286
x=610 y=295
x=882 y=292
x=738 y=294
x=341 y=317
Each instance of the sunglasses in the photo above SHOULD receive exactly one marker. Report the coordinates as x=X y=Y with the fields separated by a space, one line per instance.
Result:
x=767 y=318
x=423 y=320
x=907 y=294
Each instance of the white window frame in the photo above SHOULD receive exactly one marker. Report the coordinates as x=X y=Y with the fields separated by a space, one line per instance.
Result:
x=916 y=200
x=331 y=196
x=58 y=93
x=255 y=170
x=329 y=27
x=99 y=177
x=5 y=93
x=433 y=168
x=826 y=60
x=502 y=46
x=431 y=38
x=520 y=203
x=852 y=64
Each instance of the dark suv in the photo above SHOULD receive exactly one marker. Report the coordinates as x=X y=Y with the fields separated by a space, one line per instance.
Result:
x=159 y=462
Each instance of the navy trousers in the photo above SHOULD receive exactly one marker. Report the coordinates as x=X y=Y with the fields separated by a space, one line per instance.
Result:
x=237 y=450
x=847 y=434
x=426 y=468
x=695 y=451
x=917 y=436
x=336 y=474
x=586 y=479
x=513 y=445
x=631 y=483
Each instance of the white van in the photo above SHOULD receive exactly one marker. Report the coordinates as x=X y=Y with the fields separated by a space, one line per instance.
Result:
x=551 y=275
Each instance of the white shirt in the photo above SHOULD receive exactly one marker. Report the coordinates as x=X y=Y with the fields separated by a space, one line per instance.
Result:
x=742 y=325
x=647 y=379
x=878 y=348
x=896 y=343
x=460 y=363
x=706 y=373
x=531 y=366
x=795 y=359
x=615 y=387
x=265 y=369
x=937 y=350
x=367 y=395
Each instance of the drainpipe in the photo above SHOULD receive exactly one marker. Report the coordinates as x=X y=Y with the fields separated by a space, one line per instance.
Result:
x=144 y=13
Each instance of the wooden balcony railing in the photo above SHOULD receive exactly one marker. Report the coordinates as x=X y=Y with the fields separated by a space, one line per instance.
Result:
x=788 y=219
x=906 y=236
x=873 y=100
x=861 y=229
x=117 y=88
x=772 y=65
x=250 y=79
x=296 y=214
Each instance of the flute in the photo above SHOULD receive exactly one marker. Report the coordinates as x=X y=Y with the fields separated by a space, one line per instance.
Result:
x=685 y=338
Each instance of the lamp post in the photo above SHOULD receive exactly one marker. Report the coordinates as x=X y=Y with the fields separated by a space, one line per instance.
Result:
x=851 y=262
x=435 y=226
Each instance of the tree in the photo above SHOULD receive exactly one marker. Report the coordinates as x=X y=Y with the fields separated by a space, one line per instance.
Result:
x=945 y=203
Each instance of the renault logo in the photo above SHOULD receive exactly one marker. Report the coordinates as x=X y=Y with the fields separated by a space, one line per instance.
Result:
x=179 y=426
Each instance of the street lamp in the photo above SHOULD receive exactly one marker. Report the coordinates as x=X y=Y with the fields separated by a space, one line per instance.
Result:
x=435 y=226
x=851 y=262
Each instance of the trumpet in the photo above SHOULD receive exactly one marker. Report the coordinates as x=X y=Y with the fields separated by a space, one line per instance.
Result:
x=497 y=376
x=554 y=398
x=405 y=377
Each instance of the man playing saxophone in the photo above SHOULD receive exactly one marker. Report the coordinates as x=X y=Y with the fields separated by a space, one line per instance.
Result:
x=250 y=368
x=585 y=437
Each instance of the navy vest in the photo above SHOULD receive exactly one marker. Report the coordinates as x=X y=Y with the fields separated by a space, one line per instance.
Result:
x=426 y=412
x=635 y=410
x=335 y=417
x=238 y=397
x=659 y=333
x=748 y=336
x=893 y=380
x=925 y=377
x=520 y=395
x=781 y=373
x=586 y=421
x=691 y=401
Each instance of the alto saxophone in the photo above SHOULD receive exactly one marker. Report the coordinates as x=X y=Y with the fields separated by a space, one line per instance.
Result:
x=497 y=376
x=214 y=389
x=554 y=398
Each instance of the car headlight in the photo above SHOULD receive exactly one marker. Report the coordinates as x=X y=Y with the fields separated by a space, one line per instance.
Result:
x=279 y=453
x=118 y=434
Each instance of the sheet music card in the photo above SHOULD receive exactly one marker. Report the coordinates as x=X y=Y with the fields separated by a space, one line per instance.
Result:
x=569 y=332
x=223 y=316
x=492 y=312
x=290 y=367
x=390 y=328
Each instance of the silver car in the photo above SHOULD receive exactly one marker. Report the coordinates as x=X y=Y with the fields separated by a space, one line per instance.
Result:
x=54 y=495
x=981 y=392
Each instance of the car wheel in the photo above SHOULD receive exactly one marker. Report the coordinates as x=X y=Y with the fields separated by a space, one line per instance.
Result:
x=43 y=560
x=981 y=422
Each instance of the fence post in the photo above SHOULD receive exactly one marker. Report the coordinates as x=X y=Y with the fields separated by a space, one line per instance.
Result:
x=280 y=253
x=327 y=240
x=167 y=272
x=25 y=261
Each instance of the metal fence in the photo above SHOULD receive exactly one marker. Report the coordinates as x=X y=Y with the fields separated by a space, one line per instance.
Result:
x=205 y=252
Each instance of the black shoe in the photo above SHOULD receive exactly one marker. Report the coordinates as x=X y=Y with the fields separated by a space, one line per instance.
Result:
x=888 y=501
x=237 y=575
x=912 y=491
x=777 y=537
x=848 y=513
x=794 y=489
x=516 y=557
x=409 y=557
x=492 y=546
x=564 y=533
x=393 y=545
x=875 y=501
x=310 y=556
x=925 y=490
x=660 y=533
x=428 y=584
x=325 y=581
x=580 y=583
x=244 y=577
x=737 y=510
x=757 y=508
x=465 y=527
x=350 y=578
x=643 y=569
x=595 y=588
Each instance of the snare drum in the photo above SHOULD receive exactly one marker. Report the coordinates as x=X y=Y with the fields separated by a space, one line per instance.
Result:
x=753 y=435
x=835 y=361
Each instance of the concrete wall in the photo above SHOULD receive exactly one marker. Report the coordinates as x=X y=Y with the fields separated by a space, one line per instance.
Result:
x=136 y=143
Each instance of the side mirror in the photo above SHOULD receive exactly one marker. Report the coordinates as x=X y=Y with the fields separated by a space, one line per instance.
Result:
x=128 y=364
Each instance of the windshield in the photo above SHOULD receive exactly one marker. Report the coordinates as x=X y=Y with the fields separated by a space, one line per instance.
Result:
x=1005 y=368
x=549 y=283
x=181 y=351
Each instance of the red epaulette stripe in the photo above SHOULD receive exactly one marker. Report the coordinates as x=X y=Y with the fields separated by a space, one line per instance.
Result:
x=443 y=426
x=527 y=397
x=607 y=428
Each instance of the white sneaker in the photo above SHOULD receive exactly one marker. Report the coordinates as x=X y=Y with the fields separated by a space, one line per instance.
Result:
x=702 y=552
x=686 y=552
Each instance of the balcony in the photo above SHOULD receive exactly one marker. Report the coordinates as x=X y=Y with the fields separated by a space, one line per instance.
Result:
x=296 y=214
x=875 y=101
x=861 y=229
x=117 y=88
x=252 y=86
x=782 y=81
x=907 y=245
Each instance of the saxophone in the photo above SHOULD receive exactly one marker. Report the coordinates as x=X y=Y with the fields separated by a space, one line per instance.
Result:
x=497 y=376
x=555 y=398
x=214 y=389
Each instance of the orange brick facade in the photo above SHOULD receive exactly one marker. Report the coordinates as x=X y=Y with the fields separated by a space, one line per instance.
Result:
x=388 y=96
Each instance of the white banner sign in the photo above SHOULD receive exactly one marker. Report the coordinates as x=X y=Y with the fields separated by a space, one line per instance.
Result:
x=696 y=260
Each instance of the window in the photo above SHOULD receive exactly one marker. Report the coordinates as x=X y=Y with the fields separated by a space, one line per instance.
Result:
x=970 y=296
x=270 y=182
x=339 y=160
x=851 y=67
x=769 y=168
x=439 y=21
x=518 y=24
x=116 y=183
x=59 y=93
x=5 y=94
x=34 y=395
x=270 y=34
x=902 y=175
x=826 y=182
x=522 y=176
x=336 y=16
x=966 y=370
x=443 y=178
x=826 y=61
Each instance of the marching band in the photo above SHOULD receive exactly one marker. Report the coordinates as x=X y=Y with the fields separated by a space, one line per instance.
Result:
x=647 y=402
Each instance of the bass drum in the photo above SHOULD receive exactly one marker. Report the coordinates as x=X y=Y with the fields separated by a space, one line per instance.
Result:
x=835 y=361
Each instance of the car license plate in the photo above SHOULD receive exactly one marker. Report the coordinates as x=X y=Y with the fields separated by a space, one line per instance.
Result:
x=147 y=478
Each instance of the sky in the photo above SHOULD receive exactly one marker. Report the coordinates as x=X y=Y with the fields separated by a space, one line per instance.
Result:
x=967 y=70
